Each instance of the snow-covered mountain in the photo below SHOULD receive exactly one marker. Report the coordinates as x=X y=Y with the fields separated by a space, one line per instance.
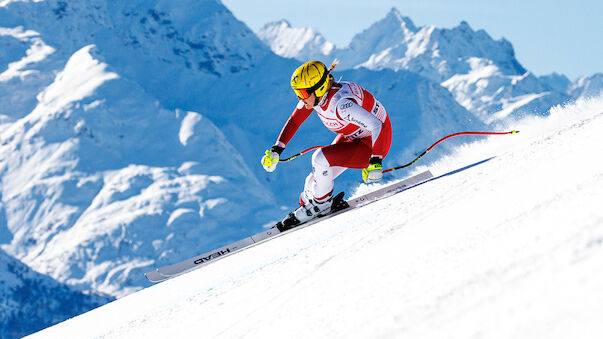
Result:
x=156 y=43
x=505 y=242
x=307 y=41
x=32 y=301
x=92 y=200
x=483 y=74
x=587 y=86
x=130 y=134
x=557 y=81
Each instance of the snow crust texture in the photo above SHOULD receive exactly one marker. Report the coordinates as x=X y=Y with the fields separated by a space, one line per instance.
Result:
x=505 y=242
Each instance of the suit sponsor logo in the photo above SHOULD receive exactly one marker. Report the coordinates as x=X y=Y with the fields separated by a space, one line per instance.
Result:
x=354 y=121
x=332 y=124
x=376 y=109
x=355 y=135
x=345 y=105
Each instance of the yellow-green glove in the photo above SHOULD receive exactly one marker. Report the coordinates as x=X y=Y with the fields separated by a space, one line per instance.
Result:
x=271 y=158
x=374 y=172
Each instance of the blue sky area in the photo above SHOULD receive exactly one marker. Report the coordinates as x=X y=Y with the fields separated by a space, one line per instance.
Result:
x=548 y=36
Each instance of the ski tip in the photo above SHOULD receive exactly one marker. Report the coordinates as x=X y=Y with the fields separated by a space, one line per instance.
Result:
x=155 y=276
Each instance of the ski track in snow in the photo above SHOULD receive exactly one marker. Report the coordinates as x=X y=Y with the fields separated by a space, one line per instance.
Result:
x=511 y=247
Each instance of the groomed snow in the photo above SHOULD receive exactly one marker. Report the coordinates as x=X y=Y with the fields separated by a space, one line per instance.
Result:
x=509 y=244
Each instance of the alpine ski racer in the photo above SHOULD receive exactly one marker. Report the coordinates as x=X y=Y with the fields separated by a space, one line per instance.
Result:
x=363 y=129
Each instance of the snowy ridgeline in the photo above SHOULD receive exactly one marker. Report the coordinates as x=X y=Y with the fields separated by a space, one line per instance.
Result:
x=506 y=242
x=88 y=159
x=131 y=132
x=482 y=74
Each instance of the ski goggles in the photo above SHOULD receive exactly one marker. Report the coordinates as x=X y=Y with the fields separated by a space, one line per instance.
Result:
x=302 y=93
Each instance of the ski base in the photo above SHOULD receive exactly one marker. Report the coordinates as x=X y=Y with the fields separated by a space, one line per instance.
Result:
x=170 y=271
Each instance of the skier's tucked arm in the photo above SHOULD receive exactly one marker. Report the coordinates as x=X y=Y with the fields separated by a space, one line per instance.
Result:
x=350 y=111
x=299 y=115
x=271 y=157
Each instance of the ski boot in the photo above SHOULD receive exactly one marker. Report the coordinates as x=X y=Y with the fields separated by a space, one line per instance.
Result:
x=311 y=210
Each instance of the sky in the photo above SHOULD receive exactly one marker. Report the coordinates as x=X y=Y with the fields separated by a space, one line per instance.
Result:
x=548 y=36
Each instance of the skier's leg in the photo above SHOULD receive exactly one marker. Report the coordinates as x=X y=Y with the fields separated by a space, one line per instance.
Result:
x=337 y=170
x=384 y=141
x=323 y=176
x=306 y=194
x=329 y=162
x=349 y=154
x=317 y=197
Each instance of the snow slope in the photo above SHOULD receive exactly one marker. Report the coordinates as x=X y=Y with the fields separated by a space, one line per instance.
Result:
x=505 y=242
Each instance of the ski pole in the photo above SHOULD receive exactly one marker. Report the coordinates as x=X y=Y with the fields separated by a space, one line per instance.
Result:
x=444 y=138
x=300 y=153
x=417 y=158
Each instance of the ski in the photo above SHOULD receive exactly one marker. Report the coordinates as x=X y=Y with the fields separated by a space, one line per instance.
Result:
x=170 y=271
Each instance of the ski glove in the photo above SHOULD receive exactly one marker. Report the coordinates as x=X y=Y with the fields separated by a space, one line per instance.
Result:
x=374 y=172
x=270 y=160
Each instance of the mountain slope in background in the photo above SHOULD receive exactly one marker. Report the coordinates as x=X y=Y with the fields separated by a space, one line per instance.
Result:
x=101 y=182
x=143 y=41
x=148 y=41
x=130 y=134
x=32 y=301
x=91 y=200
x=482 y=74
x=559 y=82
x=587 y=86
x=307 y=42
x=506 y=242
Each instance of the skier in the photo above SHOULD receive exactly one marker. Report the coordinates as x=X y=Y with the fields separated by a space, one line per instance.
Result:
x=363 y=139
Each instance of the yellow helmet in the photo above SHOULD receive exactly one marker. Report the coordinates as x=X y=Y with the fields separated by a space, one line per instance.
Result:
x=311 y=77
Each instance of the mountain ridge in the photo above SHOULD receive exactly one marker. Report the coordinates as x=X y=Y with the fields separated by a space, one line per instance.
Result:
x=483 y=74
x=130 y=134
x=48 y=301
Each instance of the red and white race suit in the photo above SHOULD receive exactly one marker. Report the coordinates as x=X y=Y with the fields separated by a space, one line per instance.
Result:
x=363 y=131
